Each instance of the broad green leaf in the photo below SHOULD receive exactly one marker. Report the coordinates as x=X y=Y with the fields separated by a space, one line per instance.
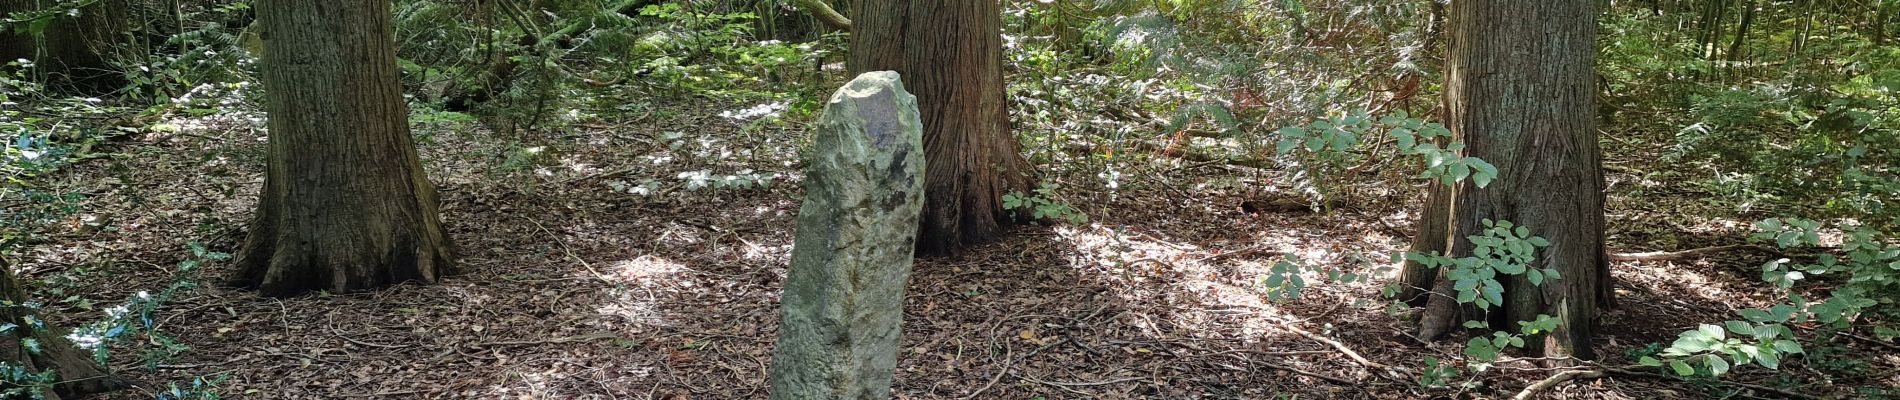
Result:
x=1682 y=368
x=1717 y=365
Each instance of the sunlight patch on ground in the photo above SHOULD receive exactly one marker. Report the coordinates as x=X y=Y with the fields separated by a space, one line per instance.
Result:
x=1139 y=257
x=642 y=276
x=559 y=380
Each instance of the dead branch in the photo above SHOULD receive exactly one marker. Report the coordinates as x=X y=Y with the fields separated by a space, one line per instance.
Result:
x=1765 y=389
x=1555 y=380
x=824 y=13
x=1676 y=255
x=1391 y=371
x=558 y=340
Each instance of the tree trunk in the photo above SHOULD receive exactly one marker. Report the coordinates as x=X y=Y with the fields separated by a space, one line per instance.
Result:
x=1882 y=13
x=1415 y=280
x=76 y=49
x=1741 y=36
x=950 y=54
x=346 y=205
x=1521 y=94
x=75 y=374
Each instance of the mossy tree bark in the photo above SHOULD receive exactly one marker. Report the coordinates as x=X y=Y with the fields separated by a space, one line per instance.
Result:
x=1521 y=94
x=75 y=374
x=76 y=49
x=346 y=205
x=951 y=56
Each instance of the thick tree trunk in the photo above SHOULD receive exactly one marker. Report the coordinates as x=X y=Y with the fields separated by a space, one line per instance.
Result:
x=1521 y=94
x=951 y=56
x=1415 y=280
x=346 y=205
x=75 y=49
x=74 y=372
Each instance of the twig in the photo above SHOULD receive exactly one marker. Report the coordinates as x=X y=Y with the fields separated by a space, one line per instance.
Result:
x=600 y=174
x=568 y=250
x=1674 y=255
x=1396 y=372
x=568 y=339
x=1782 y=393
x=1315 y=375
x=1074 y=384
x=1554 y=380
x=1007 y=352
x=1056 y=385
x=340 y=335
x=1878 y=342
x=1249 y=250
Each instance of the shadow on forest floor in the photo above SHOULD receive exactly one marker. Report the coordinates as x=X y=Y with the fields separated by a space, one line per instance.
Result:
x=579 y=280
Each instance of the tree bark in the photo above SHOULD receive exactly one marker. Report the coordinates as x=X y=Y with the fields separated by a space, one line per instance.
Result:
x=75 y=373
x=75 y=49
x=1741 y=36
x=950 y=54
x=1881 y=15
x=1521 y=94
x=346 y=205
x=1415 y=280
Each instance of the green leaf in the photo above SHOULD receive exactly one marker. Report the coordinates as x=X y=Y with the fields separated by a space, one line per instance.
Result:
x=1740 y=328
x=1536 y=277
x=1756 y=315
x=1648 y=361
x=1460 y=171
x=1682 y=368
x=1712 y=332
x=1717 y=366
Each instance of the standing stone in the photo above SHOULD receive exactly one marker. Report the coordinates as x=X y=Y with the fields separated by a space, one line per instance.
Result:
x=844 y=295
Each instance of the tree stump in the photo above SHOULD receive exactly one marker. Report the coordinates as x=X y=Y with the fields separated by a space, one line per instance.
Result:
x=857 y=231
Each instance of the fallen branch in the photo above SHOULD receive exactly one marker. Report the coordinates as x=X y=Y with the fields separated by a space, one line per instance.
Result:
x=1555 y=380
x=1676 y=255
x=824 y=13
x=1765 y=389
x=568 y=339
x=1392 y=372
x=1315 y=375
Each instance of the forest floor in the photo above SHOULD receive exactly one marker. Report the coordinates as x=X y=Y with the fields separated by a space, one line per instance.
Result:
x=579 y=281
